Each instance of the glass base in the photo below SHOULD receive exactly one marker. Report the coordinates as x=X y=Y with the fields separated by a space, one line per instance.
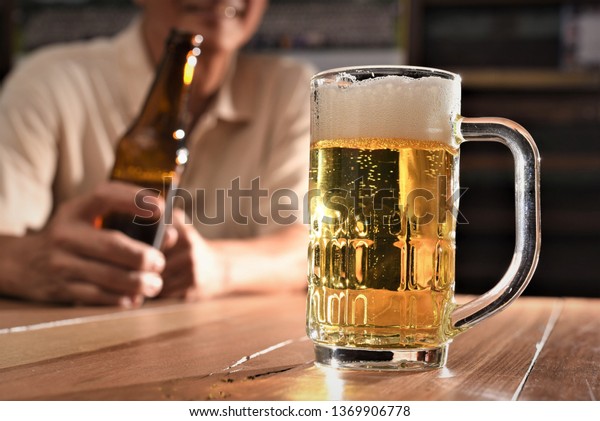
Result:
x=381 y=359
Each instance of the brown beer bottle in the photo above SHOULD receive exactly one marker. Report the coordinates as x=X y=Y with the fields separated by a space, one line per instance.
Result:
x=153 y=153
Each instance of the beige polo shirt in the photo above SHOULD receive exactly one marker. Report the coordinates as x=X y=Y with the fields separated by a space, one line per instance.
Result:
x=64 y=108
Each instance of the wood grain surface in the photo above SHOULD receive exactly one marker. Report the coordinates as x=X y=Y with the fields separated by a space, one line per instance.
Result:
x=255 y=348
x=568 y=366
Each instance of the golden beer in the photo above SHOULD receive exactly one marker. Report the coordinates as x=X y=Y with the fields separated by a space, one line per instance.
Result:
x=383 y=206
x=382 y=242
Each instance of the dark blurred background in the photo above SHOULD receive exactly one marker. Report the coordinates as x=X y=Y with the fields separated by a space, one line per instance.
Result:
x=534 y=61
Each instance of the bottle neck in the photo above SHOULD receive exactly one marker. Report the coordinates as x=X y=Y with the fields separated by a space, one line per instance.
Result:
x=165 y=107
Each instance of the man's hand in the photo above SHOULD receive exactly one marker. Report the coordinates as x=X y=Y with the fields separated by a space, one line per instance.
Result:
x=194 y=270
x=201 y=268
x=71 y=261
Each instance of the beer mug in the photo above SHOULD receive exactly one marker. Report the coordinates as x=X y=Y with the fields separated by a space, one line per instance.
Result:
x=383 y=202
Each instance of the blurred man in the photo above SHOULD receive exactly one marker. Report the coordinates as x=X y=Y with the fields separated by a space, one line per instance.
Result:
x=62 y=112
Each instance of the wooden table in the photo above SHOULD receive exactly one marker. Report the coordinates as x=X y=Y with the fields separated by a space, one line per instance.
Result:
x=255 y=348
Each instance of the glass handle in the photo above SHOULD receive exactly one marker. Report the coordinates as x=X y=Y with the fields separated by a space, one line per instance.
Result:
x=527 y=216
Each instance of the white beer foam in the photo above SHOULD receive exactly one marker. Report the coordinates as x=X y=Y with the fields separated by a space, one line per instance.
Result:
x=389 y=107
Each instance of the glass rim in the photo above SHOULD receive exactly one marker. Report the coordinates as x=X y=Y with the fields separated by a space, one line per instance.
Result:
x=388 y=70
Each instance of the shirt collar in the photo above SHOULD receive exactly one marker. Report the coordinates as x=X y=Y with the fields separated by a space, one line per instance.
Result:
x=233 y=101
x=231 y=104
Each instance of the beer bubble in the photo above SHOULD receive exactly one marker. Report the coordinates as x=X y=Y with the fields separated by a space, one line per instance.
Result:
x=345 y=80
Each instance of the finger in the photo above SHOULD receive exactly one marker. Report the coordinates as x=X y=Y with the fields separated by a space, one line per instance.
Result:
x=178 y=264
x=111 y=247
x=88 y=294
x=170 y=238
x=109 y=278
x=178 y=287
x=66 y=266
x=119 y=197
x=179 y=274
x=179 y=281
